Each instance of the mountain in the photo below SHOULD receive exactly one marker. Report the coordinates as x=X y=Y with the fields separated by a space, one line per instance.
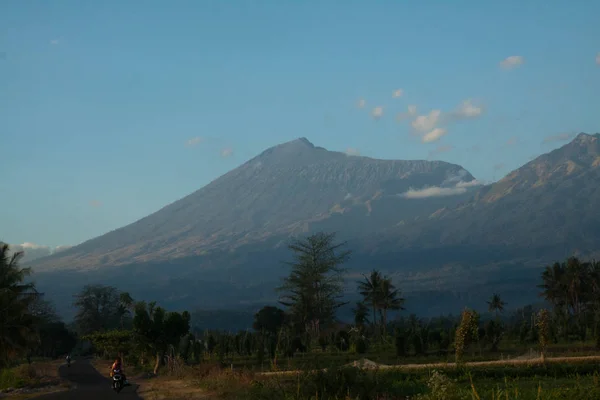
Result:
x=550 y=202
x=446 y=241
x=288 y=189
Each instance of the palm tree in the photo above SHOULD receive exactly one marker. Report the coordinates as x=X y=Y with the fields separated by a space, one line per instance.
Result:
x=389 y=299
x=370 y=289
x=17 y=324
x=496 y=304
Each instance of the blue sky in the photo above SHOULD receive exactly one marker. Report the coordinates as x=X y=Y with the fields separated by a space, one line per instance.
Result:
x=101 y=102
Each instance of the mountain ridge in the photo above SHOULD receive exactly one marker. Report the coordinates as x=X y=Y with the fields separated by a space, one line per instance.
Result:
x=456 y=246
x=280 y=192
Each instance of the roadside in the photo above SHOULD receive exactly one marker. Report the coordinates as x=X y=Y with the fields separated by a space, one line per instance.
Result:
x=152 y=387
x=31 y=380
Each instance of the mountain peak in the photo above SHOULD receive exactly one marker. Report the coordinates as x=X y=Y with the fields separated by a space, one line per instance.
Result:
x=584 y=138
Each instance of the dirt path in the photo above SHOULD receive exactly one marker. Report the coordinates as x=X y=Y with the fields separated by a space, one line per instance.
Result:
x=88 y=384
x=372 y=365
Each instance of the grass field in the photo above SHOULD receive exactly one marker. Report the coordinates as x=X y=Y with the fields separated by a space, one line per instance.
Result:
x=30 y=380
x=570 y=372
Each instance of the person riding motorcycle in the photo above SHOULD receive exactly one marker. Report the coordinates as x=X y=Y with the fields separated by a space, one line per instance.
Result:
x=68 y=360
x=118 y=366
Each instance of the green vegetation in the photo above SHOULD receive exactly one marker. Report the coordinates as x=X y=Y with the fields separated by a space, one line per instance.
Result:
x=434 y=356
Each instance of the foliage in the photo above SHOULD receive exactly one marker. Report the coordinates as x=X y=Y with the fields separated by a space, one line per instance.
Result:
x=313 y=289
x=466 y=333
x=269 y=319
x=543 y=325
x=17 y=323
x=379 y=292
x=98 y=309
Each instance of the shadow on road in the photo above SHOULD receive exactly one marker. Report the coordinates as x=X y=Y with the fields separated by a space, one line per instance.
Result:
x=88 y=384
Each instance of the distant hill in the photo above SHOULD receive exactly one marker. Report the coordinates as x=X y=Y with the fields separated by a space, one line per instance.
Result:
x=446 y=241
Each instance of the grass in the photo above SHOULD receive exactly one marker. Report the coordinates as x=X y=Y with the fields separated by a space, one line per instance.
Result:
x=30 y=380
x=513 y=373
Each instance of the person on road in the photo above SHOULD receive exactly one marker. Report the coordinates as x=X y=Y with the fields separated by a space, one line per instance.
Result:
x=118 y=366
x=68 y=360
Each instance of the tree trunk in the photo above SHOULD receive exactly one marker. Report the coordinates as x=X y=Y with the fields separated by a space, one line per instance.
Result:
x=157 y=364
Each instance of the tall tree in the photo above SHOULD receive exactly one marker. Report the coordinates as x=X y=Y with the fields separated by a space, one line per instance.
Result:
x=495 y=304
x=314 y=287
x=370 y=289
x=379 y=292
x=98 y=309
x=361 y=313
x=388 y=299
x=17 y=324
x=126 y=304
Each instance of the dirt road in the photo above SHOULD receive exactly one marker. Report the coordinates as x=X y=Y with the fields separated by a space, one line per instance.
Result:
x=372 y=365
x=88 y=384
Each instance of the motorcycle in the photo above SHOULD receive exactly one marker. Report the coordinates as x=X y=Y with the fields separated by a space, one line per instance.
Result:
x=117 y=382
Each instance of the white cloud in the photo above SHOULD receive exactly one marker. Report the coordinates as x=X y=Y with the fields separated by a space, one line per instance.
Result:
x=29 y=245
x=512 y=62
x=412 y=111
x=352 y=152
x=468 y=110
x=348 y=196
x=434 y=135
x=194 y=141
x=561 y=137
x=472 y=183
x=452 y=186
x=397 y=93
x=226 y=152
x=62 y=248
x=361 y=103
x=425 y=123
x=433 y=191
x=54 y=41
x=32 y=251
x=598 y=58
x=377 y=112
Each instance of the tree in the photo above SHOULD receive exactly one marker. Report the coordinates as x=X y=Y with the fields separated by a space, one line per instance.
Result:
x=155 y=329
x=388 y=300
x=466 y=333
x=543 y=325
x=379 y=292
x=269 y=319
x=98 y=309
x=496 y=304
x=313 y=289
x=126 y=304
x=361 y=311
x=370 y=290
x=17 y=324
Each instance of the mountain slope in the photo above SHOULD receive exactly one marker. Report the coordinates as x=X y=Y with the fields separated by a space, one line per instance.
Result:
x=551 y=201
x=288 y=189
x=444 y=252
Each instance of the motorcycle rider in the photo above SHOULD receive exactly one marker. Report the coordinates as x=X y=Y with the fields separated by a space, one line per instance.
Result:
x=68 y=360
x=118 y=366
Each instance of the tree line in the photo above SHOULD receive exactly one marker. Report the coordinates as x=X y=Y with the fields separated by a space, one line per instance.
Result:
x=114 y=323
